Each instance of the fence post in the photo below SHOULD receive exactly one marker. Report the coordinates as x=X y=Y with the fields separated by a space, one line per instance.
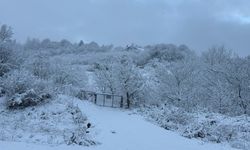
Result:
x=95 y=98
x=104 y=97
x=121 y=105
x=112 y=100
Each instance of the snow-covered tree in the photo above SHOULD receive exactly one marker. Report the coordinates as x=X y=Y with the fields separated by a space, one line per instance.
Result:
x=5 y=33
x=237 y=75
x=106 y=73
x=119 y=75
x=178 y=82
x=6 y=52
x=33 y=44
x=130 y=80
x=226 y=80
x=216 y=56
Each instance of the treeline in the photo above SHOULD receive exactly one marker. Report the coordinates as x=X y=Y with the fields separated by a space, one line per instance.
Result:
x=216 y=81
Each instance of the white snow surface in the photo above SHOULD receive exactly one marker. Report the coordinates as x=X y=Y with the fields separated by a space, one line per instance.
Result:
x=118 y=129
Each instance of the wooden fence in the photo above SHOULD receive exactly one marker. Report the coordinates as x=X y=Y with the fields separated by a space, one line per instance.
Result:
x=102 y=99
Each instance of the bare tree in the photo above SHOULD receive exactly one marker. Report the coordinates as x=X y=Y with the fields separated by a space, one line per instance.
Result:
x=5 y=33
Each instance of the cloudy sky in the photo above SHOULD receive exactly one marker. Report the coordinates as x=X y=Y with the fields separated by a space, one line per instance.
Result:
x=199 y=24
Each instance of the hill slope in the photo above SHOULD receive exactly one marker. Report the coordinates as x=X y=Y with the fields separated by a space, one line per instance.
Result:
x=117 y=129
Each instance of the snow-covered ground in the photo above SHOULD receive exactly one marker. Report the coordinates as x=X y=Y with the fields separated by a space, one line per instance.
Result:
x=55 y=123
x=208 y=127
x=118 y=129
x=121 y=129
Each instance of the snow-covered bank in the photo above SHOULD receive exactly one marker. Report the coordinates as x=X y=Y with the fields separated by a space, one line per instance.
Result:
x=208 y=127
x=56 y=122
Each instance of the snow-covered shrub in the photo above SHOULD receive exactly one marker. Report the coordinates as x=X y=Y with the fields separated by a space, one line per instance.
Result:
x=173 y=118
x=63 y=78
x=207 y=127
x=27 y=99
x=41 y=68
x=64 y=75
x=18 y=82
x=68 y=79
x=78 y=135
x=56 y=122
x=202 y=130
x=235 y=131
x=23 y=89
x=78 y=116
x=166 y=116
x=177 y=116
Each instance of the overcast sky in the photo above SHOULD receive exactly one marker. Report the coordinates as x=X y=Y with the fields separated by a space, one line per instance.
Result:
x=199 y=24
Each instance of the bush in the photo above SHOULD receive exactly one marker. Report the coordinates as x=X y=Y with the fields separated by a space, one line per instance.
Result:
x=27 y=99
x=18 y=82
x=41 y=68
x=210 y=130
x=23 y=89
x=168 y=117
x=78 y=117
x=174 y=118
x=207 y=127
x=78 y=135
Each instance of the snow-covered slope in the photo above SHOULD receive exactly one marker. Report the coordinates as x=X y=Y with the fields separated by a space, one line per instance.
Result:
x=117 y=129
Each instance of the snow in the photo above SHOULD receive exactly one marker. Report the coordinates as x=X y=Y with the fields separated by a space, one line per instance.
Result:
x=50 y=123
x=132 y=132
x=208 y=127
x=118 y=129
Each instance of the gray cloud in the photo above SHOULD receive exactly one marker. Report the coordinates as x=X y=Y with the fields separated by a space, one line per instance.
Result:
x=198 y=23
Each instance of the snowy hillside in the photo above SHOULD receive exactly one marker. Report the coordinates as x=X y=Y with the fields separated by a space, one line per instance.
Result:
x=121 y=129
x=166 y=96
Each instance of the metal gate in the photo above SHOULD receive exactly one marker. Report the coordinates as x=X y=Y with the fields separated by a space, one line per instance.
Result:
x=102 y=99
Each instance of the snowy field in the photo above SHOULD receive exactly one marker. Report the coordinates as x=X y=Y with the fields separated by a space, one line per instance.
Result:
x=116 y=129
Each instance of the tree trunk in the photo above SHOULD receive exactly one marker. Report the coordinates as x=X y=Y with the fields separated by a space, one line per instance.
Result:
x=128 y=100
x=242 y=104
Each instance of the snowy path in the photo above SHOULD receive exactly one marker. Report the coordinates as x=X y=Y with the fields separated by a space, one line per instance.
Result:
x=132 y=132
x=119 y=130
